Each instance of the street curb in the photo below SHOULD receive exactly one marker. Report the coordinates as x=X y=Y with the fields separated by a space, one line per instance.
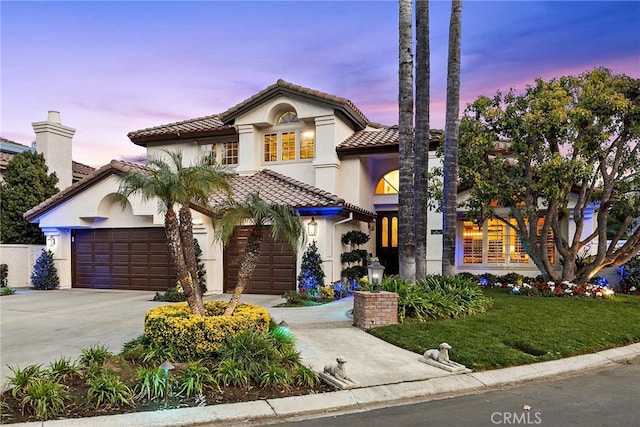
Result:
x=359 y=398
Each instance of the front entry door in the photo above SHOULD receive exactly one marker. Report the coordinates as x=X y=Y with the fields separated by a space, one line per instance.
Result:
x=387 y=241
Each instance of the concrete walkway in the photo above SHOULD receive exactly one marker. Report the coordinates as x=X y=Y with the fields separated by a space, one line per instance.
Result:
x=38 y=327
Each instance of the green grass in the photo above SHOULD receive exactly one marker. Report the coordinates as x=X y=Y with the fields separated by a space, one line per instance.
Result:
x=519 y=330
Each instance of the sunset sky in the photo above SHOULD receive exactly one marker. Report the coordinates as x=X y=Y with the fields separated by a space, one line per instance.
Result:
x=113 y=67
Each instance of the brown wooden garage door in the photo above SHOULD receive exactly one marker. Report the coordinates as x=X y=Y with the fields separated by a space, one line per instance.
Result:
x=276 y=270
x=122 y=258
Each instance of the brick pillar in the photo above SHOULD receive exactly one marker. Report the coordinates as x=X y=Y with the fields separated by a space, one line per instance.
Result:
x=371 y=310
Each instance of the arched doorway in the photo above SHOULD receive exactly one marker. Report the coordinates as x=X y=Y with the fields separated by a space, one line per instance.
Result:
x=387 y=224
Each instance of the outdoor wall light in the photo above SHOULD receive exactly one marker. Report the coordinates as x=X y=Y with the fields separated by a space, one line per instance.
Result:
x=312 y=227
x=376 y=270
x=52 y=241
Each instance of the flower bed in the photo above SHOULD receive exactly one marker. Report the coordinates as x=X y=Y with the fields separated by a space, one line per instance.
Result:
x=563 y=289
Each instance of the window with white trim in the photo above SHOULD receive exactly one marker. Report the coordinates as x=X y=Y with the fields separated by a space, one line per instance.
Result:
x=288 y=140
x=225 y=153
x=495 y=243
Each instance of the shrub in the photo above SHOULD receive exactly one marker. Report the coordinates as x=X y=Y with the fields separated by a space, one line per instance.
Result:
x=195 y=379
x=306 y=376
x=95 y=356
x=193 y=337
x=436 y=297
x=150 y=383
x=45 y=398
x=228 y=372
x=356 y=259
x=21 y=378
x=108 y=391
x=294 y=298
x=6 y=291
x=311 y=277
x=174 y=294
x=45 y=274
x=63 y=369
x=630 y=277
x=4 y=275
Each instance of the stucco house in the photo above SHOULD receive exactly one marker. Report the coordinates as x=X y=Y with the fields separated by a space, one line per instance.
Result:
x=314 y=151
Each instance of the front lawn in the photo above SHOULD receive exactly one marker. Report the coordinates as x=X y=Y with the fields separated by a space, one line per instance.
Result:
x=519 y=330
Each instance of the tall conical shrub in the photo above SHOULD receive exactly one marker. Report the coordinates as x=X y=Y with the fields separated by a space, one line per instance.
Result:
x=311 y=276
x=45 y=273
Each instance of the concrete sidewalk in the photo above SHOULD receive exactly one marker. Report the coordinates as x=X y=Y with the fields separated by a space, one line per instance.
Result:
x=42 y=326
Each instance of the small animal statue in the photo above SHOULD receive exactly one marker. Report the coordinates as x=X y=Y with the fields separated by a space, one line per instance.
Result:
x=441 y=355
x=337 y=370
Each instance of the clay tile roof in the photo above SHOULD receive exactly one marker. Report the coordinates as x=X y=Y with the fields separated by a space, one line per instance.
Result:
x=177 y=129
x=290 y=88
x=384 y=139
x=277 y=188
x=116 y=166
x=272 y=186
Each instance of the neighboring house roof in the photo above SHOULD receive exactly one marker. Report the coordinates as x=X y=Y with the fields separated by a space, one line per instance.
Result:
x=272 y=186
x=78 y=170
x=220 y=124
x=380 y=140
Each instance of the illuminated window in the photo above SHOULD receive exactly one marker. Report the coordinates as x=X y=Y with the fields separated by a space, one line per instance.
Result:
x=389 y=184
x=307 y=150
x=496 y=232
x=288 y=146
x=496 y=243
x=394 y=232
x=385 y=232
x=472 y=243
x=230 y=153
x=271 y=147
x=288 y=140
x=517 y=254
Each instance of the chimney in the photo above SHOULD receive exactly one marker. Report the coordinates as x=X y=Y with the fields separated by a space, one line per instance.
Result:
x=53 y=140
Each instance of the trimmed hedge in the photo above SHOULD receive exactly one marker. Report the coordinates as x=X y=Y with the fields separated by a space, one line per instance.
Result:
x=194 y=337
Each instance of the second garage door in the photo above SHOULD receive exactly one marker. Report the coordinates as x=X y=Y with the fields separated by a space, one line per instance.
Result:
x=122 y=258
x=276 y=270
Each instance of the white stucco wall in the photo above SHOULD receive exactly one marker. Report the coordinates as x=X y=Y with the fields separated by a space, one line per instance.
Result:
x=20 y=260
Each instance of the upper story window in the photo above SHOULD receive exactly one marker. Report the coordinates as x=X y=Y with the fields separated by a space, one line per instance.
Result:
x=389 y=184
x=289 y=140
x=225 y=153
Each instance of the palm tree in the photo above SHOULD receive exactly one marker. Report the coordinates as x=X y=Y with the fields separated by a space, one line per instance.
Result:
x=285 y=223
x=452 y=127
x=406 y=241
x=421 y=147
x=173 y=185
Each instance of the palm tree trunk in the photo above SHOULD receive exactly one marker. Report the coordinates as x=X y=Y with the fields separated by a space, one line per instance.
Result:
x=421 y=147
x=451 y=142
x=406 y=239
x=189 y=251
x=247 y=265
x=172 y=231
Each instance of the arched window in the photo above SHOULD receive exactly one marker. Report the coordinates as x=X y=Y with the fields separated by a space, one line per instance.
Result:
x=389 y=184
x=287 y=117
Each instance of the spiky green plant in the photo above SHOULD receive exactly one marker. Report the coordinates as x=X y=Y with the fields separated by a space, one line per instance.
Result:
x=96 y=355
x=108 y=391
x=44 y=398
x=195 y=380
x=63 y=369
x=150 y=384
x=229 y=372
x=306 y=376
x=21 y=378
x=275 y=376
